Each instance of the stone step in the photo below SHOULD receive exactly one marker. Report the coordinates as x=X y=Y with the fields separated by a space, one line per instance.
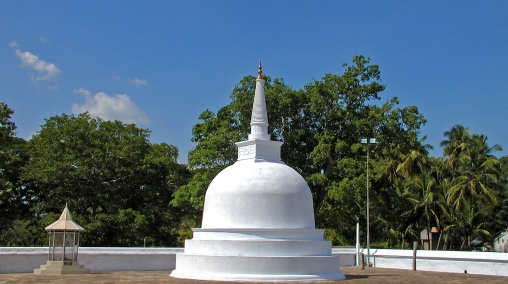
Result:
x=258 y=268
x=59 y=268
x=258 y=247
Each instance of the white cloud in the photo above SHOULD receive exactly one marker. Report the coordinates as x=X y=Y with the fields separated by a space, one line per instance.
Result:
x=138 y=82
x=119 y=107
x=46 y=71
x=13 y=44
x=83 y=92
x=31 y=135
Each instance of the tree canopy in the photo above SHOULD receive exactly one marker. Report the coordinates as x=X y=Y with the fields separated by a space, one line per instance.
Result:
x=126 y=191
x=117 y=184
x=13 y=202
x=321 y=127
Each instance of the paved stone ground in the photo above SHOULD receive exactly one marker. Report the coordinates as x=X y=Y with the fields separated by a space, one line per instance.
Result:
x=354 y=275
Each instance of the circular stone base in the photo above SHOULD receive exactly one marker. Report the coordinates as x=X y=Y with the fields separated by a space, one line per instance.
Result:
x=258 y=268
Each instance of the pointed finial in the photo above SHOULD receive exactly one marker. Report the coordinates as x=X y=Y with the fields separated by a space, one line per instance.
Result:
x=260 y=72
x=65 y=204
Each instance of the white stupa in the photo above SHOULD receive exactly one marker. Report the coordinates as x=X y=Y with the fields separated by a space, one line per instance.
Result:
x=258 y=219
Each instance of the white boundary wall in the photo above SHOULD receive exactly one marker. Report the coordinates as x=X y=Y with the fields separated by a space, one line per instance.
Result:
x=26 y=259
x=487 y=263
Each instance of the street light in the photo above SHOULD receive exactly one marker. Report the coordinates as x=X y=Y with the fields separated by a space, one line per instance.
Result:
x=358 y=241
x=368 y=142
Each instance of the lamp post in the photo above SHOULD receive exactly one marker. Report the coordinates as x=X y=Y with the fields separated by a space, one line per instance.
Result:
x=368 y=141
x=357 y=241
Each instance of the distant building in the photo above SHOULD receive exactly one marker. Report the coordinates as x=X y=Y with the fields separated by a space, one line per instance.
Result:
x=429 y=241
x=501 y=241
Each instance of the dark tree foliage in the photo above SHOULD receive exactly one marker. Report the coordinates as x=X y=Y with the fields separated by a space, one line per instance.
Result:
x=321 y=127
x=126 y=191
x=117 y=185
x=15 y=201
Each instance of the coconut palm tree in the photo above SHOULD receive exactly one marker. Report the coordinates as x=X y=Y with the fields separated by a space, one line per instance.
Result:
x=477 y=173
x=471 y=190
x=458 y=139
x=421 y=193
x=416 y=161
x=420 y=184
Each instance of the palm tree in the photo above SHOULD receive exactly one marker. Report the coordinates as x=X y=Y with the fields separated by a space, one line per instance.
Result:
x=416 y=161
x=420 y=190
x=458 y=139
x=448 y=215
x=471 y=223
x=471 y=191
x=477 y=173
x=421 y=193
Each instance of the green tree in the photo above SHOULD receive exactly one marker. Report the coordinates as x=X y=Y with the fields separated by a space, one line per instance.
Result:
x=474 y=186
x=15 y=197
x=499 y=217
x=116 y=183
x=457 y=141
x=420 y=185
x=478 y=173
x=7 y=128
x=321 y=127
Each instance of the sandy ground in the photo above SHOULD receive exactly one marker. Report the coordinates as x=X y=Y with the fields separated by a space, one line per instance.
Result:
x=354 y=275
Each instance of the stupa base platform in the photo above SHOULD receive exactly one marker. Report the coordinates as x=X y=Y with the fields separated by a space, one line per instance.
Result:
x=258 y=268
x=258 y=255
x=60 y=268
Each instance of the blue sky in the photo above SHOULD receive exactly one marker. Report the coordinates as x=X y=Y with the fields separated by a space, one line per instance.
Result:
x=159 y=64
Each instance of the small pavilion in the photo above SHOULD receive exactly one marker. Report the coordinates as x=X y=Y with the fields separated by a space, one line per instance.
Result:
x=63 y=247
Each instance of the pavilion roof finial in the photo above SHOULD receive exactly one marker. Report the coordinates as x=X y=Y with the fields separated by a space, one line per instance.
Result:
x=260 y=71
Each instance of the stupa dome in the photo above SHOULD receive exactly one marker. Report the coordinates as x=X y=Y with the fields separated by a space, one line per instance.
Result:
x=258 y=194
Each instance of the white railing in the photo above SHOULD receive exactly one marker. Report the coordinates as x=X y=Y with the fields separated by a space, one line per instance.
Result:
x=26 y=259
x=486 y=263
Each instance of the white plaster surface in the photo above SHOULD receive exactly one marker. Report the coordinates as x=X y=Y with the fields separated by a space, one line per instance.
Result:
x=259 y=117
x=252 y=194
x=258 y=268
x=258 y=247
x=487 y=263
x=501 y=242
x=258 y=255
x=258 y=219
x=26 y=259
x=19 y=260
x=253 y=234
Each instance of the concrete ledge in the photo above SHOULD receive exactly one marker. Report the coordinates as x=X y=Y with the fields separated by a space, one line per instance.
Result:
x=486 y=263
x=347 y=256
x=257 y=234
x=26 y=259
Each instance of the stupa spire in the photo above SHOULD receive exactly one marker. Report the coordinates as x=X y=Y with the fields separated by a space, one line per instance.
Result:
x=259 y=118
x=259 y=147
